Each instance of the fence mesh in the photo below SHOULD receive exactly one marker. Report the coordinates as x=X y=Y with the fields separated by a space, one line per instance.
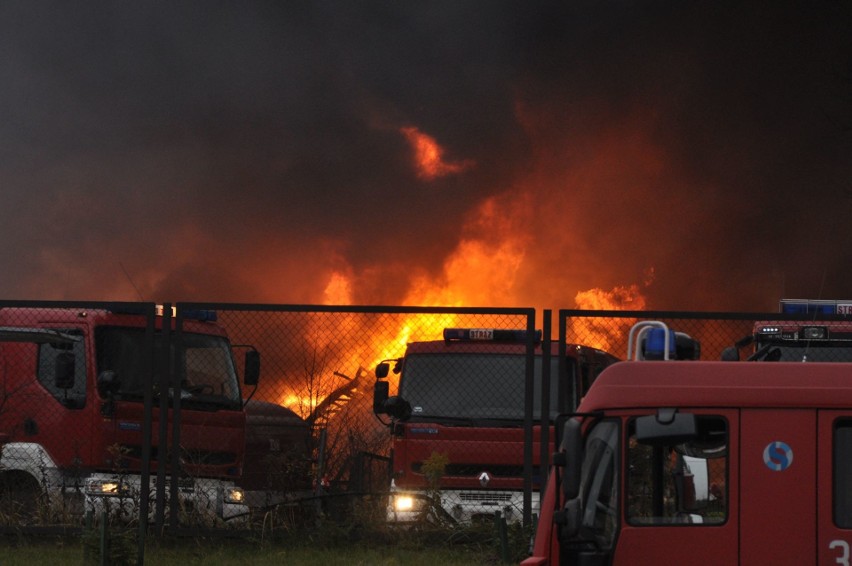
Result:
x=146 y=414
x=312 y=429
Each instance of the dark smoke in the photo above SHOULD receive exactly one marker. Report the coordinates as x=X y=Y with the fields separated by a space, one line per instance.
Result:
x=245 y=152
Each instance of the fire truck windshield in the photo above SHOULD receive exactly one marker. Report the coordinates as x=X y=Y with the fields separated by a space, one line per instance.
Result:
x=473 y=386
x=206 y=365
x=786 y=351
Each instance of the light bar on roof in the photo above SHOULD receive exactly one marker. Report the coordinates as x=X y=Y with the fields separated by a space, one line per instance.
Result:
x=203 y=315
x=816 y=306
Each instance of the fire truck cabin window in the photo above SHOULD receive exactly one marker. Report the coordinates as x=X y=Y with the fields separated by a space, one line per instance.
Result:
x=475 y=385
x=843 y=474
x=599 y=483
x=680 y=484
x=75 y=396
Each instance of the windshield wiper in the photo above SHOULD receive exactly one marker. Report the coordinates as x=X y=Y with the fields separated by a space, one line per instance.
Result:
x=768 y=353
x=444 y=419
x=484 y=421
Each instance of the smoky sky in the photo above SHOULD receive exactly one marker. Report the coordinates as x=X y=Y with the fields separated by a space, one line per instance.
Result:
x=213 y=151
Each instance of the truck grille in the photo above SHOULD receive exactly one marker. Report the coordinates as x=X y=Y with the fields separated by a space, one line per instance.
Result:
x=485 y=496
x=195 y=457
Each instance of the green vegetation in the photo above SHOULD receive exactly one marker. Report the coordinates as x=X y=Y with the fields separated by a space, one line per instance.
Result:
x=427 y=549
x=343 y=530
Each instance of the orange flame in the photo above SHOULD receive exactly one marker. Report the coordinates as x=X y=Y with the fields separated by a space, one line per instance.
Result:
x=620 y=298
x=605 y=334
x=485 y=268
x=429 y=156
x=338 y=291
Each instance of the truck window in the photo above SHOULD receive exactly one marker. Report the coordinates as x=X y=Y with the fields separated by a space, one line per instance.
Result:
x=599 y=484
x=207 y=367
x=474 y=385
x=74 y=398
x=843 y=473
x=679 y=484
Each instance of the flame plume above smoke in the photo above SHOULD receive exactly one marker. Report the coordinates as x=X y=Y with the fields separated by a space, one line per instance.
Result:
x=429 y=156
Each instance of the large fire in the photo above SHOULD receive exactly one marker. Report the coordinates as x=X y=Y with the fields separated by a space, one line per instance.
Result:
x=484 y=269
x=464 y=282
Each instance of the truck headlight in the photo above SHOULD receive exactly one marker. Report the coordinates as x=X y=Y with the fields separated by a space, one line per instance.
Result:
x=105 y=488
x=234 y=495
x=403 y=503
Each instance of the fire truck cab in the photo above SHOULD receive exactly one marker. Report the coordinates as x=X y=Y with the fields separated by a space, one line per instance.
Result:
x=72 y=411
x=816 y=331
x=461 y=399
x=704 y=463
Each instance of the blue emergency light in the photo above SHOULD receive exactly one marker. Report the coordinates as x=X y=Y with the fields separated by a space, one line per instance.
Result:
x=488 y=335
x=655 y=344
x=652 y=336
x=203 y=315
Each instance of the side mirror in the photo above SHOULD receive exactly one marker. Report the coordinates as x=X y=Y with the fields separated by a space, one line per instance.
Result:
x=251 y=374
x=382 y=370
x=108 y=383
x=572 y=446
x=569 y=519
x=380 y=396
x=64 y=373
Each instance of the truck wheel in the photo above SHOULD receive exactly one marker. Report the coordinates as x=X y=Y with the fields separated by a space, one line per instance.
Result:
x=20 y=494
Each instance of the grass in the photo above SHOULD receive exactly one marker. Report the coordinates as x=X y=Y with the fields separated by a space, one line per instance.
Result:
x=334 y=557
x=358 y=536
x=188 y=553
x=326 y=544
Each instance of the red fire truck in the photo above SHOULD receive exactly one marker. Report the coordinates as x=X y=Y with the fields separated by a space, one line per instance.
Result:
x=461 y=400
x=704 y=463
x=815 y=332
x=72 y=411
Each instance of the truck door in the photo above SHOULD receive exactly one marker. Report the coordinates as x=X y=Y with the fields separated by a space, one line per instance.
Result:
x=681 y=498
x=58 y=415
x=778 y=506
x=834 y=496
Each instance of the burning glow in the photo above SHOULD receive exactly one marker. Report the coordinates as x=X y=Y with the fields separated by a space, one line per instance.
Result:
x=325 y=379
x=483 y=268
x=603 y=333
x=429 y=156
x=338 y=291
x=488 y=266
x=620 y=298
x=302 y=406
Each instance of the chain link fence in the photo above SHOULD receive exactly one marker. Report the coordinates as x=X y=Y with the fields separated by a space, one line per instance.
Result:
x=322 y=446
x=609 y=330
x=781 y=337
x=151 y=415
